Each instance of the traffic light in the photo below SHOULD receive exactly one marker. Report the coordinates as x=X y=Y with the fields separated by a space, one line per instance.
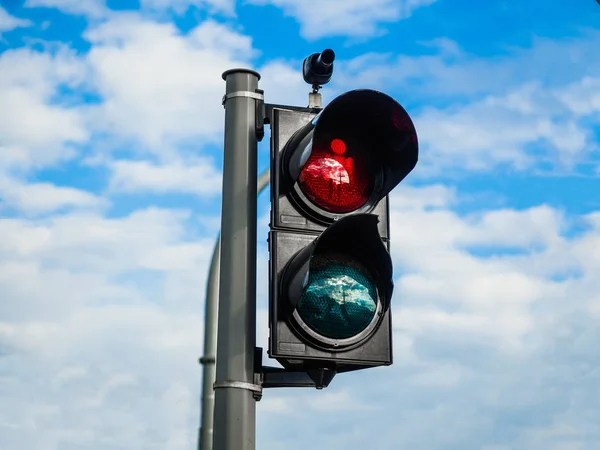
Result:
x=330 y=270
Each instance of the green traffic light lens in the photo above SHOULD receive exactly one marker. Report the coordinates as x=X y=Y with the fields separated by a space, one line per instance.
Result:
x=339 y=300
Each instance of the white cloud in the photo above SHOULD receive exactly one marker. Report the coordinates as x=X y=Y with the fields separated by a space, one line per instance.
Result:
x=88 y=8
x=283 y=84
x=446 y=290
x=583 y=96
x=335 y=400
x=36 y=131
x=452 y=72
x=195 y=177
x=8 y=22
x=431 y=196
x=85 y=299
x=277 y=405
x=499 y=130
x=160 y=87
x=180 y=6
x=114 y=384
x=112 y=309
x=152 y=238
x=345 y=17
x=97 y=9
x=434 y=223
x=40 y=198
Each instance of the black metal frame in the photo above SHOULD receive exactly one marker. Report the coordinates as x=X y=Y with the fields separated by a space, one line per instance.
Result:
x=277 y=377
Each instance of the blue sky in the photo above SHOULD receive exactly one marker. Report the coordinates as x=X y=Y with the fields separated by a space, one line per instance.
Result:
x=111 y=129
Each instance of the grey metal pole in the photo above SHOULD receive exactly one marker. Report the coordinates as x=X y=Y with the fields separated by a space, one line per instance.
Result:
x=205 y=436
x=235 y=406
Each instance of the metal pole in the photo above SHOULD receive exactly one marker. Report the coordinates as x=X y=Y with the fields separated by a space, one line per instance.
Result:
x=235 y=406
x=205 y=436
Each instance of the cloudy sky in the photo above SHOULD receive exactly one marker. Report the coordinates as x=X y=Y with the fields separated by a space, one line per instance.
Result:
x=111 y=129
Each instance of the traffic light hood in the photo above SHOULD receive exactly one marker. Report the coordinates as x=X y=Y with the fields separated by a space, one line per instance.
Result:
x=374 y=120
x=356 y=239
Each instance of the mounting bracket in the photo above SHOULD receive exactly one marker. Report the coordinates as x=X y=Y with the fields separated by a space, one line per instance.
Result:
x=273 y=377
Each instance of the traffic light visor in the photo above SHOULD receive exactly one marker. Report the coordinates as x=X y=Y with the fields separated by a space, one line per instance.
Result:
x=340 y=285
x=353 y=153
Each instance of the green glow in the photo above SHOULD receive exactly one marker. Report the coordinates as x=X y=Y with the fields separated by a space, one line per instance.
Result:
x=339 y=301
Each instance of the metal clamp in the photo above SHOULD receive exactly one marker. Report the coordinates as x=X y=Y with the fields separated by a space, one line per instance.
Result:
x=207 y=360
x=238 y=385
x=248 y=94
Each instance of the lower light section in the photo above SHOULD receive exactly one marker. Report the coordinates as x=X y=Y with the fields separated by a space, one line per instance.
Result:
x=339 y=300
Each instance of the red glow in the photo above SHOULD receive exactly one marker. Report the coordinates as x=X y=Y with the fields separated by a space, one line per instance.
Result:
x=338 y=146
x=338 y=178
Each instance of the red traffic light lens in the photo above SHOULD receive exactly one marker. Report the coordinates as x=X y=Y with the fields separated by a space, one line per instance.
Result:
x=338 y=176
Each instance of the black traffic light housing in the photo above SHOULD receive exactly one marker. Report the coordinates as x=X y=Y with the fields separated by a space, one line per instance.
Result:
x=292 y=341
x=379 y=148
